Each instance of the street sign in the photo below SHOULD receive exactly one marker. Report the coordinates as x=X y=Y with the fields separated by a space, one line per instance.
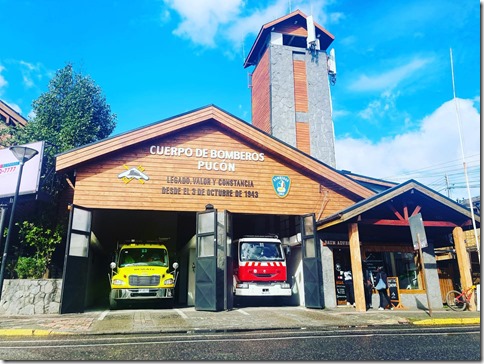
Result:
x=418 y=231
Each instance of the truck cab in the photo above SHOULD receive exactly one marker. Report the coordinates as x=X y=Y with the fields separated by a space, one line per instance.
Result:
x=141 y=271
x=260 y=267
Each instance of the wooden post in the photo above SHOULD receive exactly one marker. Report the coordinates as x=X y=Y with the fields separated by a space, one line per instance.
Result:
x=355 y=254
x=463 y=262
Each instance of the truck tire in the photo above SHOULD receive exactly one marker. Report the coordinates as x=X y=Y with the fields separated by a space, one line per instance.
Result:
x=113 y=304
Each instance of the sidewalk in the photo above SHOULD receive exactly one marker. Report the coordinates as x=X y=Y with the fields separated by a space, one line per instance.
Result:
x=187 y=319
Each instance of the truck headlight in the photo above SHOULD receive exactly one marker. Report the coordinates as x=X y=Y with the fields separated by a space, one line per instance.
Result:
x=242 y=285
x=285 y=285
x=168 y=281
x=118 y=282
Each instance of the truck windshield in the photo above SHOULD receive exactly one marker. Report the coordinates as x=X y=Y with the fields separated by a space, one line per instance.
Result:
x=143 y=256
x=258 y=251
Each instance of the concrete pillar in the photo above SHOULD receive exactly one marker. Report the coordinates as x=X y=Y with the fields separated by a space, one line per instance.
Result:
x=329 y=283
x=432 y=276
x=355 y=254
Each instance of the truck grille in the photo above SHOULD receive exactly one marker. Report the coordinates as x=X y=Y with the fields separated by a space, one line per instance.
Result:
x=144 y=280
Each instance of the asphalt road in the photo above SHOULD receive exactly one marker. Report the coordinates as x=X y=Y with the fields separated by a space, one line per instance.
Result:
x=379 y=343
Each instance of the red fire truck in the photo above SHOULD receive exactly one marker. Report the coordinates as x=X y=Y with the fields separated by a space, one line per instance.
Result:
x=260 y=267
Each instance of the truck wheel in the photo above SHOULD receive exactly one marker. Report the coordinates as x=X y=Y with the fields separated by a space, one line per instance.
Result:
x=113 y=304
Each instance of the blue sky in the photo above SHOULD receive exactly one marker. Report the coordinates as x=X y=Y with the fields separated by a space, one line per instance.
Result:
x=394 y=113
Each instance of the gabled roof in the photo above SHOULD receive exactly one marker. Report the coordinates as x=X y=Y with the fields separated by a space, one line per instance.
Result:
x=447 y=209
x=375 y=184
x=227 y=122
x=325 y=37
x=11 y=116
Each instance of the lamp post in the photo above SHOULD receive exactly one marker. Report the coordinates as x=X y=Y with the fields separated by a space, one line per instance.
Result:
x=23 y=154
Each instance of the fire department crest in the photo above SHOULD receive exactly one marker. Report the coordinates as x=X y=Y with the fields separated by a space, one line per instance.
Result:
x=281 y=185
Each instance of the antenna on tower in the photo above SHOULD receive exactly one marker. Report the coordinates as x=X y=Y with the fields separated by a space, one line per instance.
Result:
x=311 y=39
x=332 y=66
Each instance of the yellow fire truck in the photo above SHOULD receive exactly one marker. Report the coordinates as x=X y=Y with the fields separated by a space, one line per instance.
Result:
x=141 y=272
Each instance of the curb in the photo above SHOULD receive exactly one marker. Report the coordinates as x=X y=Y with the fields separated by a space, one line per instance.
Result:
x=30 y=332
x=450 y=321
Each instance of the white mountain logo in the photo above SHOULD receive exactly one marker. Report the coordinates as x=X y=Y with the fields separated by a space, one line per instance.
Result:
x=133 y=173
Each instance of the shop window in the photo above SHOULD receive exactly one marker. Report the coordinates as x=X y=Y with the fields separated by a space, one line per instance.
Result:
x=402 y=265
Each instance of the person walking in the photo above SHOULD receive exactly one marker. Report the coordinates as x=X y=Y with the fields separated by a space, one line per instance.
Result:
x=350 y=293
x=367 y=284
x=381 y=287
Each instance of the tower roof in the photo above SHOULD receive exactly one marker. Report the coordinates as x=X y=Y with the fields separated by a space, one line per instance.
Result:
x=292 y=24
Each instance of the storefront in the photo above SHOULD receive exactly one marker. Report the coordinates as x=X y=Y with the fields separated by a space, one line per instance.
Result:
x=376 y=232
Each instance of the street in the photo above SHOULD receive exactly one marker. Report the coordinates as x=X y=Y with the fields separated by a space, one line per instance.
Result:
x=378 y=343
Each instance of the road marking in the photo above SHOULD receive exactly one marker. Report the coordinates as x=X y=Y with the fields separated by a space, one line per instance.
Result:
x=181 y=313
x=243 y=312
x=103 y=315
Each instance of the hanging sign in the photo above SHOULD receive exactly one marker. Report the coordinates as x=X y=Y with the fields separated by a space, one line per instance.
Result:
x=418 y=231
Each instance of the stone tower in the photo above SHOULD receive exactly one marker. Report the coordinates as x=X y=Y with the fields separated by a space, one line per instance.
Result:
x=291 y=98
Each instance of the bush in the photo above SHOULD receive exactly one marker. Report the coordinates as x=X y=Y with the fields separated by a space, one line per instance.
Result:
x=44 y=240
x=30 y=267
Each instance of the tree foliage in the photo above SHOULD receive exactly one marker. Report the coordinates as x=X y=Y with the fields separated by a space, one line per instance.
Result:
x=72 y=113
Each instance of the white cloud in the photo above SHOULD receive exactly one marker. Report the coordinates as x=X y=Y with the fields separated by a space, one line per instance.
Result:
x=380 y=107
x=3 y=81
x=201 y=19
x=211 y=23
x=435 y=143
x=388 y=80
x=30 y=73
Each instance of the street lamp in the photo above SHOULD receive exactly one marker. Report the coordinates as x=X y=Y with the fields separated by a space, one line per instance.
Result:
x=23 y=154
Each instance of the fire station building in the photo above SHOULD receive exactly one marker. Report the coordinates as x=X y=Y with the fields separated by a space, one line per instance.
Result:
x=207 y=177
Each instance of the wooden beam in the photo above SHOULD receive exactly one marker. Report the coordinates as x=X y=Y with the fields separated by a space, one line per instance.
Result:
x=356 y=267
x=417 y=210
x=397 y=214
x=463 y=262
x=389 y=222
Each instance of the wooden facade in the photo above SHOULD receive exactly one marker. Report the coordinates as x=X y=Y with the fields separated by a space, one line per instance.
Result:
x=302 y=137
x=300 y=86
x=261 y=102
x=9 y=117
x=205 y=157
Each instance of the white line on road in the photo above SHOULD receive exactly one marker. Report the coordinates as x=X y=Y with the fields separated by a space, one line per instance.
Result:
x=181 y=313
x=103 y=315
x=243 y=312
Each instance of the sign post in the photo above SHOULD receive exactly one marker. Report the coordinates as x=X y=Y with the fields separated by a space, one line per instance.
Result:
x=420 y=241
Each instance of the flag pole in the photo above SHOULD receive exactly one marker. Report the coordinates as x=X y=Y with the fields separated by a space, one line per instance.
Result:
x=463 y=159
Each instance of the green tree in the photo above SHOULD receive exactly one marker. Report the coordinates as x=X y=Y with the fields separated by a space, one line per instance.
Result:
x=72 y=113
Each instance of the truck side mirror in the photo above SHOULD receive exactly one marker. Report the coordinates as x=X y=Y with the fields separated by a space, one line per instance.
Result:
x=287 y=250
x=175 y=265
x=112 y=265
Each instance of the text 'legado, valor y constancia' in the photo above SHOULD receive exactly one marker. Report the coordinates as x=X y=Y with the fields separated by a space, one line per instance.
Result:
x=209 y=159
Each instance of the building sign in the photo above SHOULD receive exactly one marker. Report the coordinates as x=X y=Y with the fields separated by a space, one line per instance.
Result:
x=417 y=230
x=336 y=242
x=281 y=185
x=204 y=186
x=209 y=159
x=10 y=167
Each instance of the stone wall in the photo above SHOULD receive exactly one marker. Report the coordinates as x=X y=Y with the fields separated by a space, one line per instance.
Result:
x=30 y=296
